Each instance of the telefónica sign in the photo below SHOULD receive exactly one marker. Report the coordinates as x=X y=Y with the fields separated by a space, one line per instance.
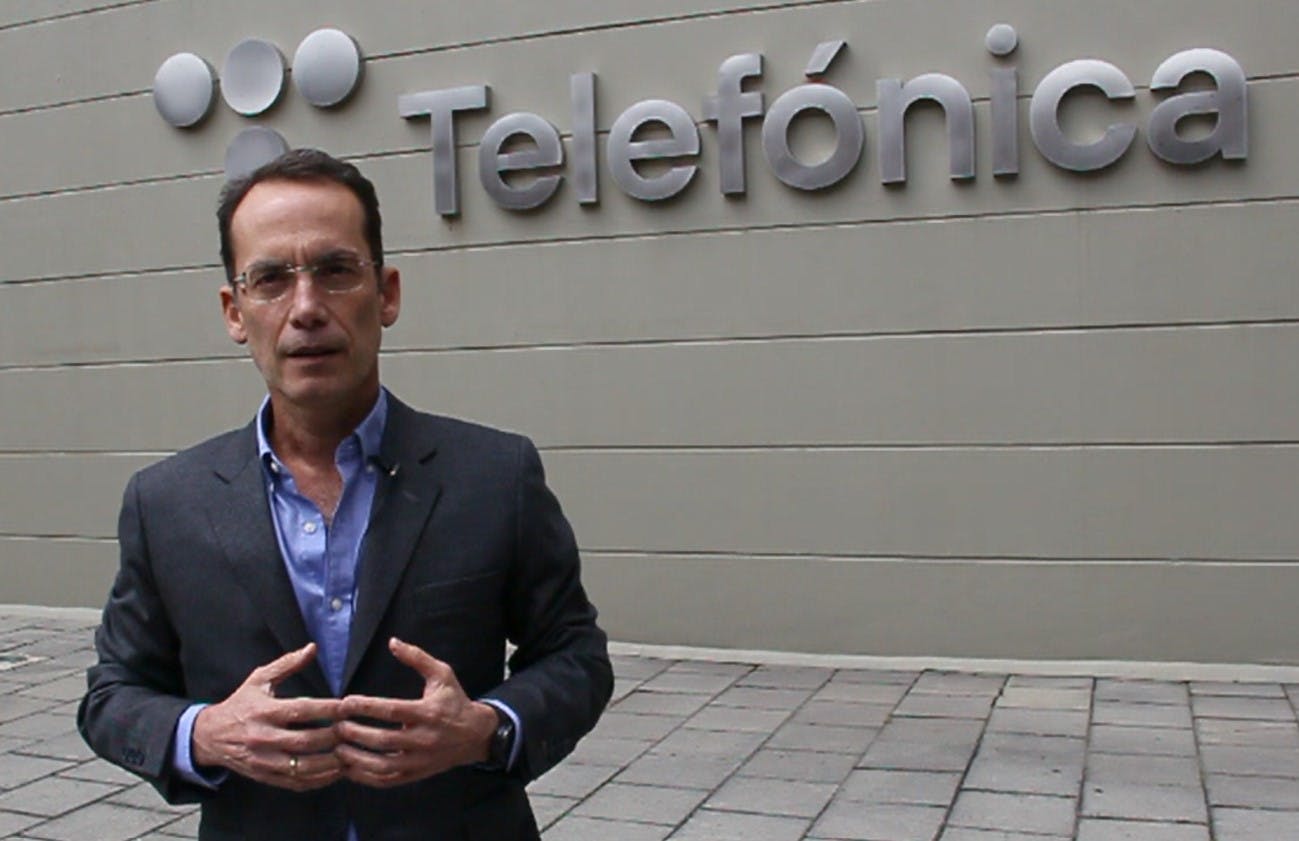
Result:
x=524 y=142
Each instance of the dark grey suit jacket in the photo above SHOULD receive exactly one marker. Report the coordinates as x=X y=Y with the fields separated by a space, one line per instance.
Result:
x=466 y=547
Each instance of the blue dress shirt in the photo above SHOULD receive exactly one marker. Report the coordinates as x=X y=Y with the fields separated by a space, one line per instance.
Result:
x=321 y=559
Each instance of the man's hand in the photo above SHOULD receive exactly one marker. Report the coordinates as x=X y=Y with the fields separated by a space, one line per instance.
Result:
x=441 y=730
x=285 y=742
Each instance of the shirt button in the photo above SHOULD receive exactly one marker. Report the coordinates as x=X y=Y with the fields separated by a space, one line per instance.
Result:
x=369 y=468
x=335 y=604
x=275 y=468
x=309 y=528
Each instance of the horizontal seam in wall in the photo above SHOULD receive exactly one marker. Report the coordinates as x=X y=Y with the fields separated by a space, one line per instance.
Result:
x=107 y=7
x=783 y=448
x=1007 y=215
x=710 y=342
x=911 y=560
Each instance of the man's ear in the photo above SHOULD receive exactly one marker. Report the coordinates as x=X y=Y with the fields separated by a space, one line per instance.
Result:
x=231 y=314
x=389 y=296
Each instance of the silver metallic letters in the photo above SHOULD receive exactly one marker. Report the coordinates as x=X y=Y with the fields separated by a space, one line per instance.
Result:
x=652 y=150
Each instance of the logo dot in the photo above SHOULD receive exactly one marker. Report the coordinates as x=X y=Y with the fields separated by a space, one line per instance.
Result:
x=251 y=148
x=327 y=67
x=252 y=77
x=1002 y=39
x=182 y=89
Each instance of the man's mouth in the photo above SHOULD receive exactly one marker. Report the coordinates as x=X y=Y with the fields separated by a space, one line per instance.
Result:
x=312 y=351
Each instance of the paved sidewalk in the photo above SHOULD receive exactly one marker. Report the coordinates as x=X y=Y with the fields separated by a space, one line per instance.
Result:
x=716 y=751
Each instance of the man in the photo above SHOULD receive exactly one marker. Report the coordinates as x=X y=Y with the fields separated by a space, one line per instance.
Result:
x=307 y=631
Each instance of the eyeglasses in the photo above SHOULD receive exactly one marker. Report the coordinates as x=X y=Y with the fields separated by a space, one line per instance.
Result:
x=336 y=274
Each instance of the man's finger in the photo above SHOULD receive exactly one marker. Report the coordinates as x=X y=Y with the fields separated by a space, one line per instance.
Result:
x=392 y=710
x=428 y=666
x=381 y=739
x=305 y=712
x=285 y=665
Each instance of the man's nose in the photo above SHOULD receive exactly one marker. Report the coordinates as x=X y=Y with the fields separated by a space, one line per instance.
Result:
x=306 y=298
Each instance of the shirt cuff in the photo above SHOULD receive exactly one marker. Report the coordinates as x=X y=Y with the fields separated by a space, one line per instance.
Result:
x=182 y=757
x=518 y=729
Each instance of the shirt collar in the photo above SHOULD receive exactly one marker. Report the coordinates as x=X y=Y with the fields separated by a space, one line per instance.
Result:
x=369 y=432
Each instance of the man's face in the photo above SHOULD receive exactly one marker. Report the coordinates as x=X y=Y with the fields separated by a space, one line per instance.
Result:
x=314 y=348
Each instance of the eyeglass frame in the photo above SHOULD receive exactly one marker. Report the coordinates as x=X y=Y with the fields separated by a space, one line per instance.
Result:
x=310 y=269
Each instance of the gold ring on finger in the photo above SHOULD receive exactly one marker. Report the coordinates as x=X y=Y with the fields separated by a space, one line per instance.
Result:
x=293 y=766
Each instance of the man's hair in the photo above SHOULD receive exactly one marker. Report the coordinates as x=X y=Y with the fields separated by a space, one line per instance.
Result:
x=304 y=165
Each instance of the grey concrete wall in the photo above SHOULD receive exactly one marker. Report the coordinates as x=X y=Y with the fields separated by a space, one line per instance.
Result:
x=1051 y=416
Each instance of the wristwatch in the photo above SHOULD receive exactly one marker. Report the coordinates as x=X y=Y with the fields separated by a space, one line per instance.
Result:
x=502 y=744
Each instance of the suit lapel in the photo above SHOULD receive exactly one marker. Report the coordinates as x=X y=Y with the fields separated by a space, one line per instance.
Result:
x=240 y=515
x=404 y=499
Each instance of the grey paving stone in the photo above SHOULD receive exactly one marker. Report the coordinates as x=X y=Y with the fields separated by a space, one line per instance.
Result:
x=185 y=827
x=1248 y=690
x=862 y=693
x=1041 y=722
x=799 y=736
x=1127 y=713
x=787 y=677
x=144 y=796
x=1254 y=825
x=934 y=705
x=737 y=718
x=1035 y=748
x=620 y=725
x=637 y=668
x=13 y=706
x=1045 y=698
x=67 y=746
x=772 y=797
x=607 y=751
x=917 y=756
x=675 y=771
x=1253 y=761
x=37 y=726
x=1253 y=792
x=953 y=731
x=675 y=681
x=923 y=788
x=712 y=667
x=1015 y=812
x=1258 y=709
x=1108 y=738
x=843 y=714
x=1100 y=829
x=876 y=676
x=1148 y=691
x=579 y=828
x=622 y=687
x=51 y=796
x=708 y=825
x=661 y=703
x=102 y=822
x=964 y=833
x=1136 y=801
x=646 y=804
x=1051 y=682
x=572 y=780
x=1105 y=768
x=884 y=822
x=762 y=698
x=731 y=744
x=959 y=683
x=69 y=688
x=808 y=766
x=1045 y=776
x=548 y=808
x=99 y=771
x=11 y=823
x=1263 y=734
x=17 y=770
